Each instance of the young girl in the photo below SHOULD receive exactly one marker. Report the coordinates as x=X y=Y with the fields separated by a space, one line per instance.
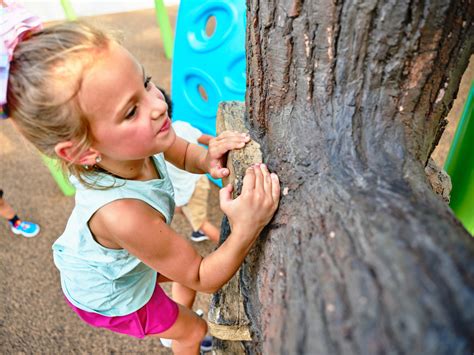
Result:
x=76 y=93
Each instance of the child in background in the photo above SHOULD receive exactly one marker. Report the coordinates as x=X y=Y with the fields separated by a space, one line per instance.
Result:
x=76 y=93
x=23 y=23
x=17 y=226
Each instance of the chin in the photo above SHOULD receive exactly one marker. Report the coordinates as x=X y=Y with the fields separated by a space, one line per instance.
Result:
x=172 y=137
x=165 y=144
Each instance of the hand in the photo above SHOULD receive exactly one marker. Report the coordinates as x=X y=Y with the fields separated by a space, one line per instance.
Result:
x=257 y=203
x=217 y=153
x=205 y=139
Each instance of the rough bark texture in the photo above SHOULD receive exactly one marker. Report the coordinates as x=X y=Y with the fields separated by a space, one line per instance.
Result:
x=348 y=100
x=227 y=318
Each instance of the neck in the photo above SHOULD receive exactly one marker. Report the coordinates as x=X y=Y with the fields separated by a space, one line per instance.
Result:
x=131 y=170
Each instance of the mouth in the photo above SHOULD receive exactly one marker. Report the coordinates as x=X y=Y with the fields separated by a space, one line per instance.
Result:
x=166 y=126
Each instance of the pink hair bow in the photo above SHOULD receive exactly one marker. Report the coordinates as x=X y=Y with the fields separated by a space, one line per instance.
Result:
x=15 y=24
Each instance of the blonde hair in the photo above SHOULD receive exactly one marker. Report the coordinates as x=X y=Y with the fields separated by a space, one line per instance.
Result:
x=45 y=77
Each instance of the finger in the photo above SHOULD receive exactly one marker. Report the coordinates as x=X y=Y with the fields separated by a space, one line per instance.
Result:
x=219 y=172
x=226 y=134
x=249 y=180
x=275 y=188
x=223 y=172
x=225 y=146
x=233 y=134
x=258 y=178
x=229 y=143
x=267 y=181
x=236 y=139
x=219 y=149
x=205 y=139
x=225 y=194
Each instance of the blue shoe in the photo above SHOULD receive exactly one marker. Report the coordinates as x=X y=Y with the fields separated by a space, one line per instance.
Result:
x=198 y=236
x=26 y=229
x=206 y=344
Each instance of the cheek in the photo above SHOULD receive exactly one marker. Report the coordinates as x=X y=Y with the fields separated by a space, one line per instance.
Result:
x=127 y=140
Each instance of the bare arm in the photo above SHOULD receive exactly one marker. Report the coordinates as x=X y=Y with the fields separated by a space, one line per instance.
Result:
x=144 y=233
x=187 y=156
x=205 y=139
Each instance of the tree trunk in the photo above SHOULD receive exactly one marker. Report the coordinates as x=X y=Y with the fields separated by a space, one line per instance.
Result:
x=347 y=100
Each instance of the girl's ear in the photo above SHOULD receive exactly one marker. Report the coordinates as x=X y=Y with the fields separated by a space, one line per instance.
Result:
x=66 y=151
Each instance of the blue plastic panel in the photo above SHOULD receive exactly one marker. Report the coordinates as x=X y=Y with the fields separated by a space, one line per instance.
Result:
x=208 y=66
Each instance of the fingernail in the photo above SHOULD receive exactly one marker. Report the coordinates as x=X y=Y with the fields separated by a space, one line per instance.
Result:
x=274 y=176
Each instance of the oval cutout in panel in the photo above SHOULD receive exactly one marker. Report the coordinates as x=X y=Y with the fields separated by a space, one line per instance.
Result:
x=224 y=18
x=211 y=25
x=201 y=92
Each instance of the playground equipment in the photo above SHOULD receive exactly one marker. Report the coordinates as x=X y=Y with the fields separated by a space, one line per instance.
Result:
x=208 y=61
x=68 y=10
x=58 y=175
x=460 y=165
x=162 y=20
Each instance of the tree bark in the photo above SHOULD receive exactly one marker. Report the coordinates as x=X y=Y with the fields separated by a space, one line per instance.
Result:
x=347 y=100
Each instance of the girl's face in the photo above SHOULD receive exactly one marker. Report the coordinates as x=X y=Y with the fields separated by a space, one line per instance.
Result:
x=127 y=113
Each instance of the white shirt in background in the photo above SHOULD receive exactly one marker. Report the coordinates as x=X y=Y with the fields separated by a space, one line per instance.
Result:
x=183 y=181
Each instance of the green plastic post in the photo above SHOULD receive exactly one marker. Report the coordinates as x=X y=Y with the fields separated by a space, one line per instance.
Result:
x=58 y=175
x=163 y=21
x=68 y=10
x=460 y=165
x=52 y=164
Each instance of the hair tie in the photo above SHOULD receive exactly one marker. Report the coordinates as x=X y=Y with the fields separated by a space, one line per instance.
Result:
x=16 y=23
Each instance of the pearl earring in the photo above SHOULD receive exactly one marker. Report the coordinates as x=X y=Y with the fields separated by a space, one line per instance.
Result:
x=98 y=159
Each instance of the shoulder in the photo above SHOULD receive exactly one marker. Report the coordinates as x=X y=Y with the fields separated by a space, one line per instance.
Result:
x=124 y=218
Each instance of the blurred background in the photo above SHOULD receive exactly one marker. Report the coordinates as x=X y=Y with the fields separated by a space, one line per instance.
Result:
x=52 y=10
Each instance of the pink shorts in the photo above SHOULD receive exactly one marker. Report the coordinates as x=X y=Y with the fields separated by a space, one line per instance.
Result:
x=158 y=315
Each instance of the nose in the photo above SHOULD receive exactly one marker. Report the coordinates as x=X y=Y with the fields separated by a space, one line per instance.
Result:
x=159 y=109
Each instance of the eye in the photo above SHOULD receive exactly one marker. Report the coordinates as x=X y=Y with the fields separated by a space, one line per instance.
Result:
x=131 y=113
x=147 y=81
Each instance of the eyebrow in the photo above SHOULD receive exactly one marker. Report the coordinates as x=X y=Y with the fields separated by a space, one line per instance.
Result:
x=123 y=110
